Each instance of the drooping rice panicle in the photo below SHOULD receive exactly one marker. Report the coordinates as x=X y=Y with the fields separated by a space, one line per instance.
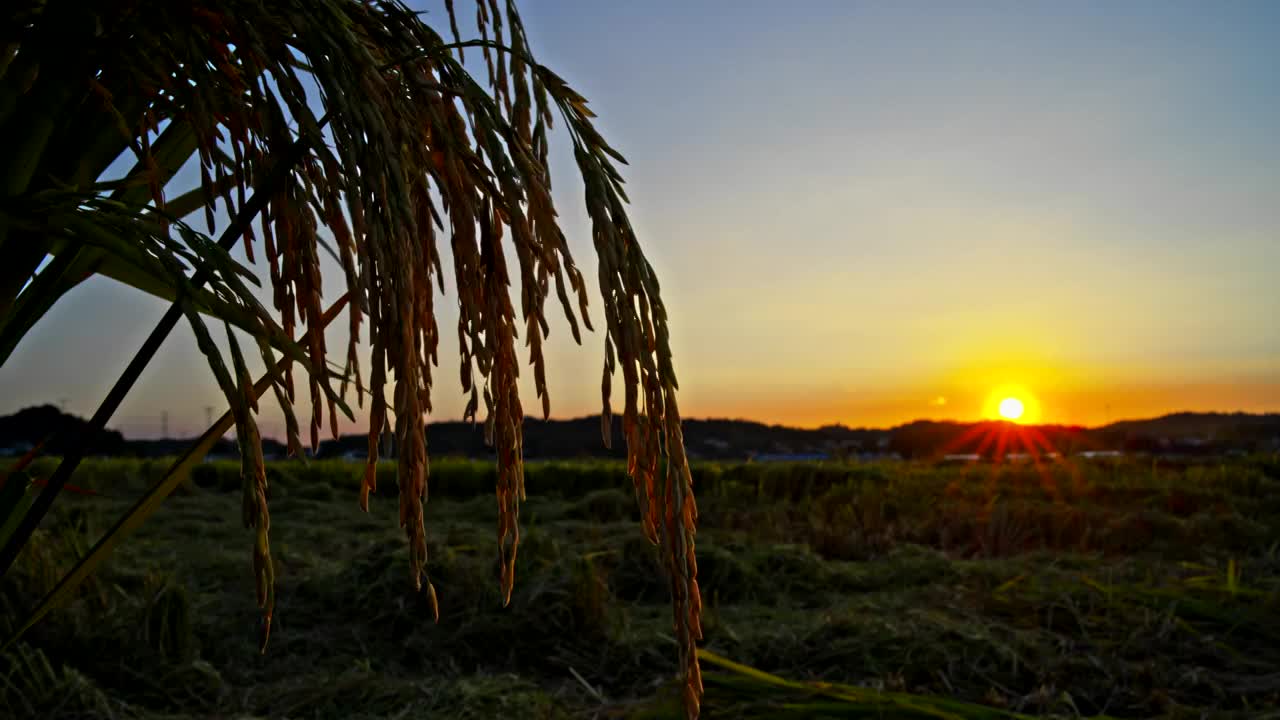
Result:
x=352 y=128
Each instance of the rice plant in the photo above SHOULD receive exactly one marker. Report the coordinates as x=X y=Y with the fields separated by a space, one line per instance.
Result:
x=352 y=120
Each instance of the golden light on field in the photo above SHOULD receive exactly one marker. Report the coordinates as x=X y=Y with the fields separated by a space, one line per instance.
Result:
x=1013 y=403
x=1011 y=408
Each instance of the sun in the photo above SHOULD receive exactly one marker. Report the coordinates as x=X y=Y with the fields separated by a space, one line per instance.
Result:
x=1011 y=408
x=1012 y=403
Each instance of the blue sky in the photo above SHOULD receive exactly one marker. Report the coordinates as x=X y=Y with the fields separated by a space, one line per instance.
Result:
x=871 y=212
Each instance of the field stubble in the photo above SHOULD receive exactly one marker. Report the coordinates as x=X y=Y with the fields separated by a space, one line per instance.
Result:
x=832 y=590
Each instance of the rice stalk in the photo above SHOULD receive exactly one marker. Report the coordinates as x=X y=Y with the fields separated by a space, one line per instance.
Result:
x=409 y=152
x=145 y=506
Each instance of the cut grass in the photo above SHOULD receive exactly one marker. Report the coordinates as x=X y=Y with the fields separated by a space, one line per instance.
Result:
x=900 y=612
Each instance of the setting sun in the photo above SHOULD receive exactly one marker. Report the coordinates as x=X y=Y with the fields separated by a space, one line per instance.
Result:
x=1011 y=408
x=1014 y=403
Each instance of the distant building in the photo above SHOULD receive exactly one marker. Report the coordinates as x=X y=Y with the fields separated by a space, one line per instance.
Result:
x=1031 y=457
x=790 y=457
x=17 y=448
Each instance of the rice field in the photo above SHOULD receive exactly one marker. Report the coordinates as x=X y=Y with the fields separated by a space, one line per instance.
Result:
x=1124 y=589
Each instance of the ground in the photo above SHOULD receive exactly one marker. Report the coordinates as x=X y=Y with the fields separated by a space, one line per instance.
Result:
x=1127 y=588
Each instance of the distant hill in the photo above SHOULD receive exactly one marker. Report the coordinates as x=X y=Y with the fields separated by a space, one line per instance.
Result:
x=1210 y=426
x=581 y=438
x=29 y=426
x=1179 y=433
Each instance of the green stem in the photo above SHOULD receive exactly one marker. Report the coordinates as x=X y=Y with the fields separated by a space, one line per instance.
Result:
x=125 y=383
x=20 y=263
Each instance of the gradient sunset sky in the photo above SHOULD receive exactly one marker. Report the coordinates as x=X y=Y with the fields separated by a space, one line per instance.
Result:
x=867 y=213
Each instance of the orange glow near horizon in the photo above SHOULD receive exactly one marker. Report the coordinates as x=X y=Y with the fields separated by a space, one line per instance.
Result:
x=1088 y=397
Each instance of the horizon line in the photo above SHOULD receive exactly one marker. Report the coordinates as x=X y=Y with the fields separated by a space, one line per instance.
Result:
x=865 y=428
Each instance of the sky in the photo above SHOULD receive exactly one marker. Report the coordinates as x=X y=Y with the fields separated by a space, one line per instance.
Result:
x=866 y=213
